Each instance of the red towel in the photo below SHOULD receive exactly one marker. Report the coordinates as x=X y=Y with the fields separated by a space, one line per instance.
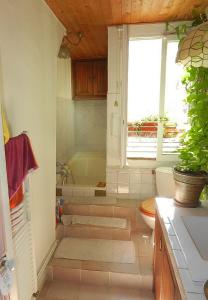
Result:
x=17 y=198
x=19 y=161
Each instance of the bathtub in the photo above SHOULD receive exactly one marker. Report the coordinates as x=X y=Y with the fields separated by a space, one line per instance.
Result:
x=88 y=168
x=85 y=169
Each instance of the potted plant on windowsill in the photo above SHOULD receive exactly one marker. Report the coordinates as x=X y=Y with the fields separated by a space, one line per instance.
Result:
x=147 y=127
x=191 y=173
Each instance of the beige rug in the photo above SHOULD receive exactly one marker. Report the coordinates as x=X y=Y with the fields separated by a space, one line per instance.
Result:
x=94 y=221
x=96 y=250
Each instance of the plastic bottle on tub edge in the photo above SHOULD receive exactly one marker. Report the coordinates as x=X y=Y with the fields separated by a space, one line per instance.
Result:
x=59 y=208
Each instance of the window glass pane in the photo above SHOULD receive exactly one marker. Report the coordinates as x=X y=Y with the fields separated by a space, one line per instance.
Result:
x=143 y=97
x=175 y=109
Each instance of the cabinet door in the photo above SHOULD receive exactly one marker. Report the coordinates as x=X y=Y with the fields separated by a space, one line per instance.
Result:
x=158 y=257
x=177 y=295
x=100 y=78
x=82 y=79
x=168 y=287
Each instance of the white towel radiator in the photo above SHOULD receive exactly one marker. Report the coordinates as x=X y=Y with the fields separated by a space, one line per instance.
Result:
x=23 y=247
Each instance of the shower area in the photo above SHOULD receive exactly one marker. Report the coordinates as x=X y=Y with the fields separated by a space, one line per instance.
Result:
x=80 y=139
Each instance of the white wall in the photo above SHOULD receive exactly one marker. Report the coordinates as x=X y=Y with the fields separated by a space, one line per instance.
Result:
x=30 y=37
x=65 y=109
x=90 y=125
x=81 y=125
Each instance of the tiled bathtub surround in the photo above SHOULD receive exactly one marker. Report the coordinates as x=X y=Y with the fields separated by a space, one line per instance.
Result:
x=75 y=190
x=139 y=183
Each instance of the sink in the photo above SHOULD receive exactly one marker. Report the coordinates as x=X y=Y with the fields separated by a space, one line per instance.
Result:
x=192 y=235
x=197 y=227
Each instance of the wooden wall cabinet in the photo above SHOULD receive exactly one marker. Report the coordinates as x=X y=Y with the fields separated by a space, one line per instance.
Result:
x=89 y=79
x=165 y=284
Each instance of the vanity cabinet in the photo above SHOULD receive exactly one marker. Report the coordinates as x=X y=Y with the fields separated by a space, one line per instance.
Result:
x=165 y=284
x=89 y=79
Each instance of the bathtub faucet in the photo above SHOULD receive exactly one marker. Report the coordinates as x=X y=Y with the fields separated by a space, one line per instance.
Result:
x=63 y=170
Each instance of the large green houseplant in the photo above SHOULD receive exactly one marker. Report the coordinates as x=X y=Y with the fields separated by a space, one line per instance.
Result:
x=191 y=173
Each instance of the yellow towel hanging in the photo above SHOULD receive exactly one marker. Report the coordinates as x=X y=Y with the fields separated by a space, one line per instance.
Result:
x=6 y=132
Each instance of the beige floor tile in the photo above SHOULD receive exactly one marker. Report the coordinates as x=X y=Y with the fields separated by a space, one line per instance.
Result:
x=59 y=231
x=63 y=290
x=147 y=295
x=144 y=244
x=97 y=278
x=132 y=281
x=124 y=268
x=67 y=263
x=93 y=293
x=116 y=293
x=72 y=275
x=147 y=282
x=146 y=265
x=97 y=266
x=97 y=210
x=48 y=298
x=76 y=209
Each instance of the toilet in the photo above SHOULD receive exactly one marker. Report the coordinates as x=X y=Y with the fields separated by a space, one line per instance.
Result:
x=165 y=188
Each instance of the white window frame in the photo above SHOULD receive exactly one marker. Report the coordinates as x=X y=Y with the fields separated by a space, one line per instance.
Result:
x=145 y=31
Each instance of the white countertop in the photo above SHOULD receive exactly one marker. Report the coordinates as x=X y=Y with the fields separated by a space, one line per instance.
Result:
x=190 y=269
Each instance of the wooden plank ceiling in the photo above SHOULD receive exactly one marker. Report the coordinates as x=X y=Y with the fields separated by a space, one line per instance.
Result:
x=93 y=16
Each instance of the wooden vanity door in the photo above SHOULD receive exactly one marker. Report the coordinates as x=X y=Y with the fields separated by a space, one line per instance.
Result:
x=165 y=285
x=168 y=288
x=158 y=258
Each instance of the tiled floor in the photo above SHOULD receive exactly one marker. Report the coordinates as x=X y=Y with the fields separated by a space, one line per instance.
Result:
x=62 y=290
x=101 y=290
x=74 y=279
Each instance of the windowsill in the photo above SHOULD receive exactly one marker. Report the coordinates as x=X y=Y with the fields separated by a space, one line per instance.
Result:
x=148 y=163
x=141 y=158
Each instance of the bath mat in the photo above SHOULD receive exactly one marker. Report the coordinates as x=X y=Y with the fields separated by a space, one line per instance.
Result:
x=96 y=250
x=101 y=184
x=94 y=221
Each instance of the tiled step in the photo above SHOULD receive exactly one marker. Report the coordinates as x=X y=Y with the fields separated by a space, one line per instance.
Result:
x=123 y=271
x=97 y=232
x=101 y=210
x=110 y=275
x=92 y=200
x=62 y=290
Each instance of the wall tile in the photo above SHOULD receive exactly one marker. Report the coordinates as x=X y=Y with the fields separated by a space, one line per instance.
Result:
x=90 y=125
x=112 y=188
x=135 y=188
x=67 y=191
x=123 y=188
x=112 y=177
x=135 y=178
x=78 y=192
x=90 y=192
x=147 y=178
x=123 y=177
x=145 y=171
x=147 y=190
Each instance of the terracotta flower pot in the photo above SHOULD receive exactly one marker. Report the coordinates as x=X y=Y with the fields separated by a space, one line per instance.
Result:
x=188 y=188
x=132 y=129
x=148 y=129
